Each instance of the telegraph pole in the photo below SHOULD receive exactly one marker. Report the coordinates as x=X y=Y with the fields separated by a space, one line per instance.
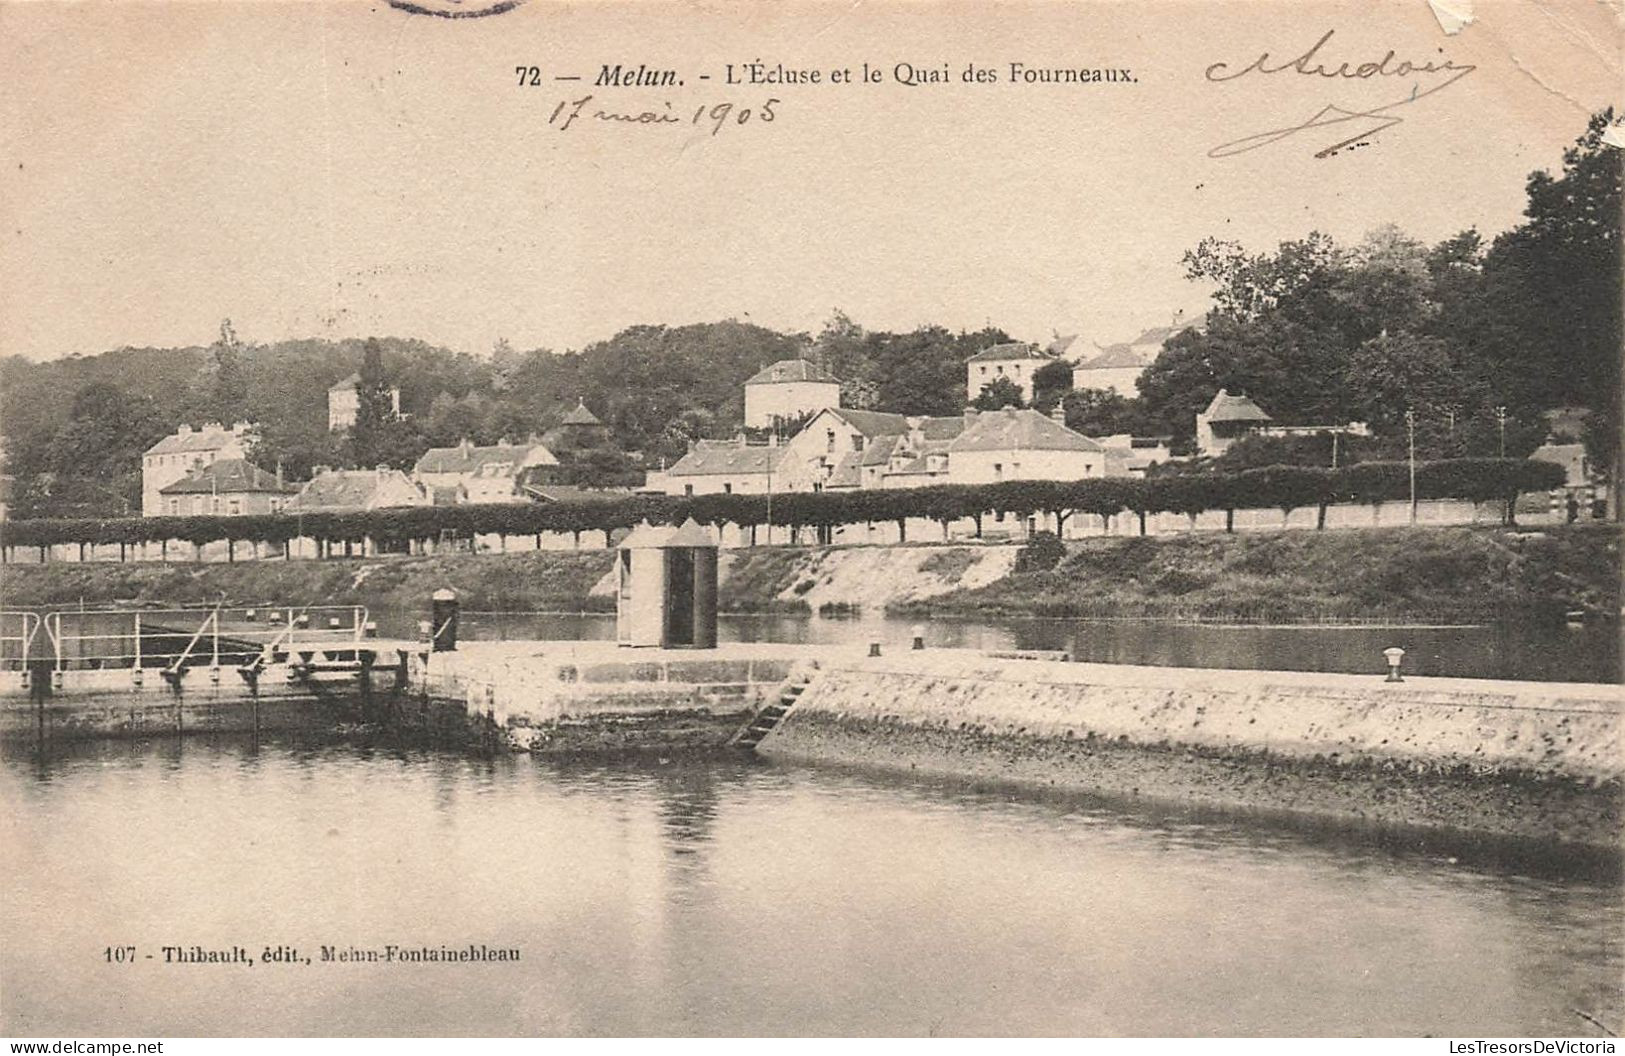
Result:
x=1410 y=442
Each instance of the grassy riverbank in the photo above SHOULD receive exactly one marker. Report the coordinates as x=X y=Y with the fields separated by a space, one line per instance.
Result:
x=1444 y=574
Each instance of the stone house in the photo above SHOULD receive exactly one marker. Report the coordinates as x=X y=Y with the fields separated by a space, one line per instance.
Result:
x=353 y=490
x=1016 y=361
x=185 y=450
x=227 y=487
x=731 y=467
x=787 y=390
x=1013 y=444
x=482 y=474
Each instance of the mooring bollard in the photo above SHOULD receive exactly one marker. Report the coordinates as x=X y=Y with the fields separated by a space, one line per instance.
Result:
x=1394 y=656
x=443 y=615
x=874 y=648
x=919 y=636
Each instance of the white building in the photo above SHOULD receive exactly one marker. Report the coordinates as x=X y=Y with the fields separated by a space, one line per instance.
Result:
x=1116 y=368
x=343 y=403
x=845 y=448
x=187 y=449
x=730 y=467
x=352 y=490
x=1013 y=444
x=1015 y=360
x=482 y=474
x=786 y=390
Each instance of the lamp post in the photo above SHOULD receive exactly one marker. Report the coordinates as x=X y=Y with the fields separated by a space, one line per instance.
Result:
x=1410 y=443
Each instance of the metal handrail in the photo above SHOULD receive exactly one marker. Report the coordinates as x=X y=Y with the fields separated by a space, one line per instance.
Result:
x=25 y=639
x=180 y=661
x=134 y=630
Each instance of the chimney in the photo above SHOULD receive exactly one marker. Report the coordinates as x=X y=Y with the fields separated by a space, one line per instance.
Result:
x=465 y=445
x=970 y=415
x=772 y=439
x=1058 y=413
x=382 y=470
x=1009 y=411
x=184 y=430
x=320 y=471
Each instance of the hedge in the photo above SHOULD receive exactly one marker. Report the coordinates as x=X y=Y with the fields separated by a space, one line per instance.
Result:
x=1283 y=487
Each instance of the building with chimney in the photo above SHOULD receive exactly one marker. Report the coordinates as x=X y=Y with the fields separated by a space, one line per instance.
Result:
x=227 y=487
x=185 y=450
x=353 y=490
x=729 y=467
x=1015 y=361
x=482 y=474
x=1012 y=444
x=787 y=390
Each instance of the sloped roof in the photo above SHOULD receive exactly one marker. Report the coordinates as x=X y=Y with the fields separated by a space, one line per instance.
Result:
x=581 y=416
x=692 y=533
x=1065 y=345
x=344 y=489
x=228 y=475
x=1128 y=355
x=879 y=451
x=209 y=438
x=647 y=536
x=874 y=424
x=1238 y=408
x=1023 y=430
x=1008 y=351
x=791 y=370
x=466 y=458
x=571 y=493
x=711 y=458
x=846 y=473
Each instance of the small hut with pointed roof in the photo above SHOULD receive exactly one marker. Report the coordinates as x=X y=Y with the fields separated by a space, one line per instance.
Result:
x=666 y=587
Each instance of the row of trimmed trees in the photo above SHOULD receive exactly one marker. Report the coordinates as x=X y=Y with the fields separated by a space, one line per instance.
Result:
x=1273 y=487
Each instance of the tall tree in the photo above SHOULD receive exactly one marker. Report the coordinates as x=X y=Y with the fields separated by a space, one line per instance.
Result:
x=372 y=439
x=997 y=394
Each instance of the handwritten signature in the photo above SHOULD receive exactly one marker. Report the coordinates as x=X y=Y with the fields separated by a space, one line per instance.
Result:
x=1309 y=65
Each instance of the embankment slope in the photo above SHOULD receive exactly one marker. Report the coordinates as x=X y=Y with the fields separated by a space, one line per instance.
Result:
x=1533 y=761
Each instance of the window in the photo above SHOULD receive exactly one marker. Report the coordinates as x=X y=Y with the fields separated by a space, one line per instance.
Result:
x=998 y=471
x=1001 y=368
x=214 y=504
x=727 y=488
x=234 y=507
x=984 y=371
x=174 y=507
x=688 y=489
x=829 y=440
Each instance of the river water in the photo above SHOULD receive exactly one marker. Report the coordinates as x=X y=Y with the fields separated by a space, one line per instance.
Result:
x=732 y=896
x=1588 y=653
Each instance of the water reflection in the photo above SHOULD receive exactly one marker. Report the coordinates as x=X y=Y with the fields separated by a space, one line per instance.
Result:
x=726 y=897
x=1589 y=653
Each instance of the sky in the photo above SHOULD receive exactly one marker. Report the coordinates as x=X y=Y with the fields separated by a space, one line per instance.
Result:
x=323 y=169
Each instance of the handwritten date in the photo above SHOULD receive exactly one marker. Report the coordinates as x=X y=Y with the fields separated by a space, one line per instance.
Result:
x=714 y=117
